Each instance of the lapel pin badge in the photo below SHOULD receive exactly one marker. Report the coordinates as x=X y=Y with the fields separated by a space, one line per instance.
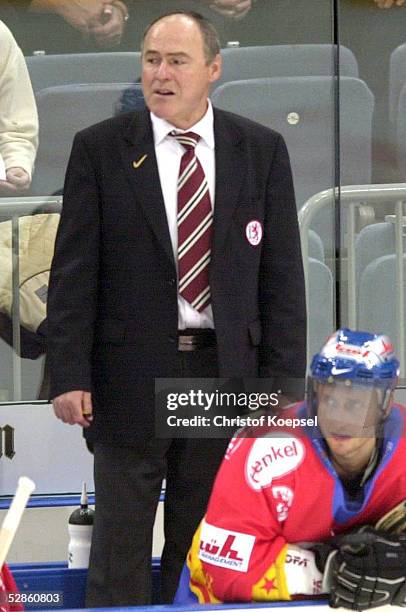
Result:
x=253 y=232
x=137 y=164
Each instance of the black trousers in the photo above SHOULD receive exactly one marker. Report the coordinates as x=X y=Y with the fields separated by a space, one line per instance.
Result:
x=128 y=483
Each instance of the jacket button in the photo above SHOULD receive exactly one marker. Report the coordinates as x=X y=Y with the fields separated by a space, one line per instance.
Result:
x=172 y=281
x=172 y=339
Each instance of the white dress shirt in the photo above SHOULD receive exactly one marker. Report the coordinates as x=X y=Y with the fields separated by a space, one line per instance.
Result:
x=168 y=154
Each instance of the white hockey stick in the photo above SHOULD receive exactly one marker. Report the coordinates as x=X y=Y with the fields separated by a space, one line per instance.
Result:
x=12 y=519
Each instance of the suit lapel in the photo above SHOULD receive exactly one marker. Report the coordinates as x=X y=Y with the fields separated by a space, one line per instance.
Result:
x=137 y=142
x=138 y=155
x=230 y=171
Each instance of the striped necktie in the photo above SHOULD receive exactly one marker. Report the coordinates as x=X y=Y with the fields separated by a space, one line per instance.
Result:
x=195 y=226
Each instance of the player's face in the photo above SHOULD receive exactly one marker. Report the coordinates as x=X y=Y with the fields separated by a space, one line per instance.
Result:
x=175 y=74
x=348 y=418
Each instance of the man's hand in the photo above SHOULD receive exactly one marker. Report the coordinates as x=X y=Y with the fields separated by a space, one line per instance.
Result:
x=109 y=31
x=81 y=14
x=74 y=407
x=368 y=570
x=17 y=179
x=385 y=4
x=235 y=9
x=102 y=19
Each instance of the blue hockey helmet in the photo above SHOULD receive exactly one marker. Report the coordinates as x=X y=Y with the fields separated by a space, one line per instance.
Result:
x=355 y=357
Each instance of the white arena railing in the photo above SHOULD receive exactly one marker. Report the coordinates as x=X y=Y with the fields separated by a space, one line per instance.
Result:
x=12 y=209
x=357 y=200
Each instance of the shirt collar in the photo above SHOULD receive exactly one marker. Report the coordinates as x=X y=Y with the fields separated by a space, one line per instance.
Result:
x=204 y=127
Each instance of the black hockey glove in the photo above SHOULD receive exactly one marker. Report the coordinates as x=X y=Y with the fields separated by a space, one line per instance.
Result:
x=323 y=552
x=367 y=570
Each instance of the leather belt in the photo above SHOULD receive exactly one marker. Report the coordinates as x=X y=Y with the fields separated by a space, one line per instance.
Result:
x=196 y=339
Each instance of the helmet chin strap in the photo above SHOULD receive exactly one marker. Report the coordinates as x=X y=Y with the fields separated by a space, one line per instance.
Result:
x=385 y=409
x=386 y=402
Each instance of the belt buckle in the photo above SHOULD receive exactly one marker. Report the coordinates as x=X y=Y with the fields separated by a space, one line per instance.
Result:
x=187 y=343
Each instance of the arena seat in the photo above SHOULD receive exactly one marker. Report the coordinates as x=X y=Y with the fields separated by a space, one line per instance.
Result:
x=69 y=68
x=373 y=241
x=63 y=111
x=397 y=79
x=375 y=311
x=238 y=63
x=400 y=126
x=303 y=110
x=285 y=60
x=320 y=316
x=376 y=276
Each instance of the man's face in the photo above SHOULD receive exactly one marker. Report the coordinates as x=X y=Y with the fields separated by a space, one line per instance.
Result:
x=348 y=417
x=175 y=75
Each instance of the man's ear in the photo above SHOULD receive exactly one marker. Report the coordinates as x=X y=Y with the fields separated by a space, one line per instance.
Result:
x=215 y=68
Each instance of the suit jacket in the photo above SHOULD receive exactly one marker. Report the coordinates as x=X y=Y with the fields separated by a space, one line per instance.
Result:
x=112 y=303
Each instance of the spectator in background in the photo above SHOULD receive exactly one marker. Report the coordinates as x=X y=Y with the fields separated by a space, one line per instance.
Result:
x=235 y=9
x=18 y=117
x=65 y=26
x=99 y=21
x=224 y=14
x=79 y=26
x=389 y=3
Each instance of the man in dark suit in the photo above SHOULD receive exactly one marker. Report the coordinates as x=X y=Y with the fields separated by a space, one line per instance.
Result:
x=143 y=287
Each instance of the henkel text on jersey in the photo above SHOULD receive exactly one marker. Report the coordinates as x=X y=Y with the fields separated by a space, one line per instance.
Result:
x=272 y=457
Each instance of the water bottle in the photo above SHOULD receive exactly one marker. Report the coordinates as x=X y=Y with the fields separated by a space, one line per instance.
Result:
x=80 y=533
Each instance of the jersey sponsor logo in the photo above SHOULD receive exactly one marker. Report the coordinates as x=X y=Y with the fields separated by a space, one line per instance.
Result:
x=253 y=232
x=270 y=458
x=296 y=559
x=224 y=548
x=372 y=353
x=284 y=498
x=300 y=570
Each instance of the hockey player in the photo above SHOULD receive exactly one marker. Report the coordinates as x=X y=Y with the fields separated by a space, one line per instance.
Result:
x=282 y=502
